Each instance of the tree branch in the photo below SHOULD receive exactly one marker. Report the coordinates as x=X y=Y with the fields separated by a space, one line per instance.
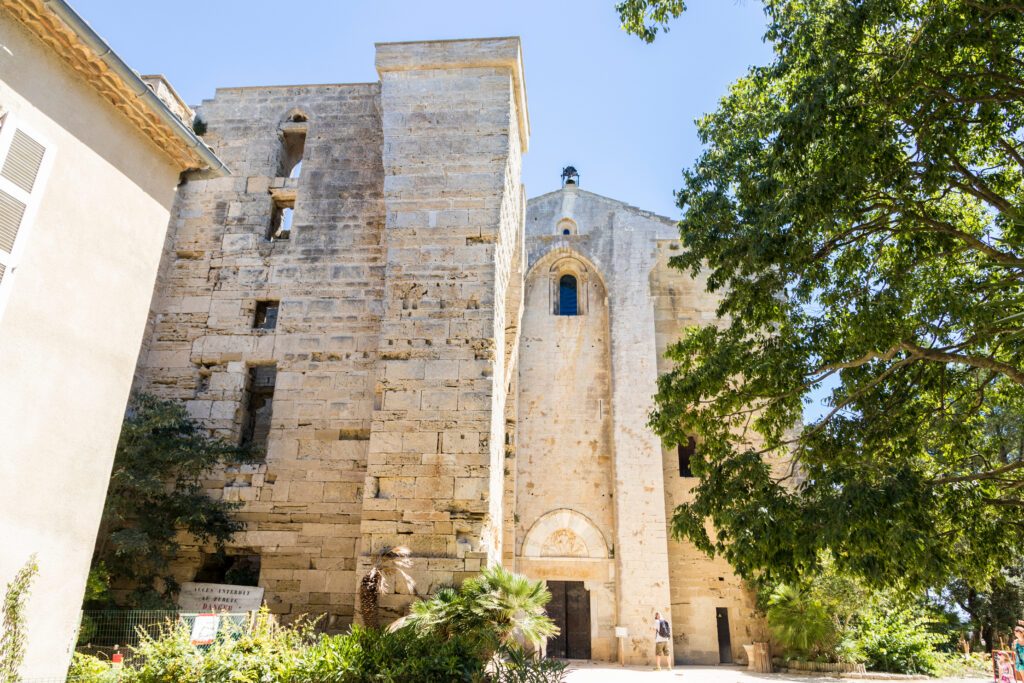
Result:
x=993 y=474
x=1013 y=373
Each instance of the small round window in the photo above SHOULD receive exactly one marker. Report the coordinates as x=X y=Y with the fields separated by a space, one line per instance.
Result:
x=566 y=226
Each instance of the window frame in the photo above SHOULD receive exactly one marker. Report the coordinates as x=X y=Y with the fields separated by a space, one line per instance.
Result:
x=266 y=304
x=576 y=291
x=278 y=205
x=9 y=123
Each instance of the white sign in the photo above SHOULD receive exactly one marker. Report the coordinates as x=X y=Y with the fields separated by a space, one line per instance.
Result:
x=217 y=597
x=621 y=632
x=204 y=629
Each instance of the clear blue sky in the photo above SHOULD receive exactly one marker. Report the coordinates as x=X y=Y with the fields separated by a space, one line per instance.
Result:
x=619 y=110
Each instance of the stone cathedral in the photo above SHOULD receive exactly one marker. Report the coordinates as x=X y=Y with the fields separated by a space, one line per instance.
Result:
x=425 y=357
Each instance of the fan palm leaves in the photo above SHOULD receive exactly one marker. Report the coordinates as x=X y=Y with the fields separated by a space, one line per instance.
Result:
x=498 y=608
x=800 y=622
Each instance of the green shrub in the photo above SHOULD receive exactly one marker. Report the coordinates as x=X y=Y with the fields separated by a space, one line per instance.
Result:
x=894 y=638
x=959 y=665
x=369 y=654
x=497 y=608
x=800 y=623
x=261 y=651
x=89 y=669
x=519 y=667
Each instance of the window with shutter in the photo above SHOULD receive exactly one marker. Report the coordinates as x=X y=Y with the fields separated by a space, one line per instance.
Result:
x=24 y=159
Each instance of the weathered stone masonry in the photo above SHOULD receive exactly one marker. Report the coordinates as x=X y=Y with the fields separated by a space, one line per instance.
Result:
x=390 y=345
x=419 y=386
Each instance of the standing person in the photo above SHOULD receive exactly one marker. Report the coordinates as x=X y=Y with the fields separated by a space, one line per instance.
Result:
x=1018 y=652
x=662 y=633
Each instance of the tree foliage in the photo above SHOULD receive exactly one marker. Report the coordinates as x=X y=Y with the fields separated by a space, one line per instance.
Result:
x=993 y=610
x=859 y=207
x=155 y=492
x=644 y=18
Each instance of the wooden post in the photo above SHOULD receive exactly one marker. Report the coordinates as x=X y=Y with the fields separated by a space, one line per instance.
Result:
x=762 y=658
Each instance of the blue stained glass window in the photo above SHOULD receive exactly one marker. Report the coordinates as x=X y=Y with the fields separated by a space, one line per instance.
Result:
x=568 y=301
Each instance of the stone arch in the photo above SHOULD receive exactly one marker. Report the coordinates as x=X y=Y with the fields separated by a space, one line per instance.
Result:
x=566 y=226
x=564 y=533
x=562 y=261
x=295 y=115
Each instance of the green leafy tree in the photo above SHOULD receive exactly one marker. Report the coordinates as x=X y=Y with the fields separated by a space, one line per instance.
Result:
x=992 y=611
x=859 y=207
x=155 y=492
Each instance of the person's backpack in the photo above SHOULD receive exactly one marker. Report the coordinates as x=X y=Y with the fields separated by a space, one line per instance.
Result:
x=663 y=629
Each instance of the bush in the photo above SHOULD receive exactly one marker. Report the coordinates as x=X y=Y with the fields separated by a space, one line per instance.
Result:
x=498 y=609
x=470 y=635
x=262 y=651
x=800 y=623
x=88 y=669
x=369 y=654
x=518 y=667
x=958 y=665
x=894 y=638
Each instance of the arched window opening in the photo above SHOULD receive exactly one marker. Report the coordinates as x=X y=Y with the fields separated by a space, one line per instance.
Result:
x=298 y=117
x=568 y=296
x=566 y=226
x=686 y=455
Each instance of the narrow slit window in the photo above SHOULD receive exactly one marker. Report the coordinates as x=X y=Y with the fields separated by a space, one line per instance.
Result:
x=568 y=296
x=266 y=315
x=281 y=220
x=293 y=147
x=686 y=455
x=259 y=401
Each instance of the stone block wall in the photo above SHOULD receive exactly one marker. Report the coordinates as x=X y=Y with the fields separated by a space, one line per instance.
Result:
x=619 y=243
x=699 y=585
x=302 y=506
x=453 y=136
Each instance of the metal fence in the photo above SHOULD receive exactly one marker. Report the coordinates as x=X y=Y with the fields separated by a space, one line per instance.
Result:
x=103 y=633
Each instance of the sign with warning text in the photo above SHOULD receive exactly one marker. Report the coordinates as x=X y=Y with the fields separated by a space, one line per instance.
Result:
x=218 y=597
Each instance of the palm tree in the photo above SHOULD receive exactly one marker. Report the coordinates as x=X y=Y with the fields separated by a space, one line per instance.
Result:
x=800 y=622
x=498 y=608
x=384 y=563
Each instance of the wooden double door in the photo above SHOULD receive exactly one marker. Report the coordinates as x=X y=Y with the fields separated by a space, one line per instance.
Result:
x=570 y=610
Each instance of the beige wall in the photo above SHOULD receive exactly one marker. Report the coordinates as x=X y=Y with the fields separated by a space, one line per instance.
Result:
x=70 y=330
x=302 y=506
x=698 y=583
x=453 y=124
x=564 y=454
x=397 y=288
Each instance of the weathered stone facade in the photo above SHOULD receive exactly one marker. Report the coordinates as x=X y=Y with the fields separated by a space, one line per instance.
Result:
x=424 y=390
